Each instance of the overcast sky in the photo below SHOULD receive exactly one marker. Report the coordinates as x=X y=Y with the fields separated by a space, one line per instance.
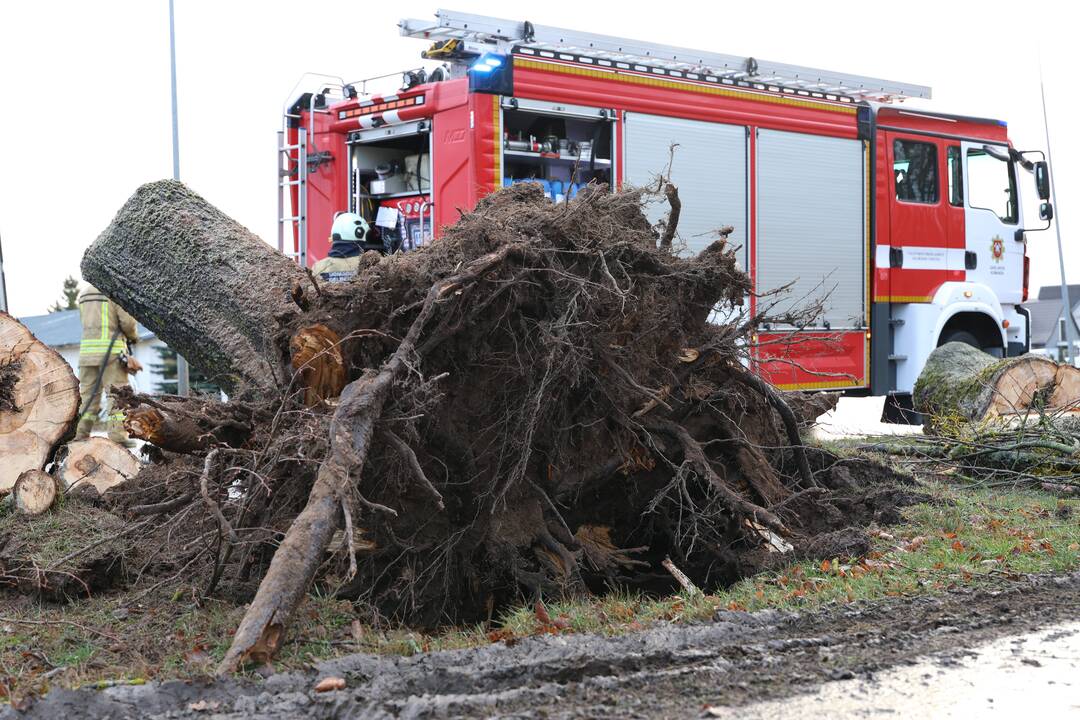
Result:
x=85 y=115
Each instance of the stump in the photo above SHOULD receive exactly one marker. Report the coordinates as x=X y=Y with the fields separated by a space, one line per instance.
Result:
x=962 y=382
x=39 y=401
x=95 y=465
x=34 y=492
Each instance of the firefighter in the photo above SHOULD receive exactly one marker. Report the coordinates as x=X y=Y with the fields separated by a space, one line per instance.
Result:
x=104 y=360
x=350 y=235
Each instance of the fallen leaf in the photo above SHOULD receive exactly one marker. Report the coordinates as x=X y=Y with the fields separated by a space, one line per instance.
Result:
x=1074 y=546
x=330 y=684
x=203 y=706
x=541 y=613
x=957 y=545
x=689 y=355
x=826 y=566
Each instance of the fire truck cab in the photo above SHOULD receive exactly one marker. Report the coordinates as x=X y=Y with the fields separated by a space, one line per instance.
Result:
x=904 y=228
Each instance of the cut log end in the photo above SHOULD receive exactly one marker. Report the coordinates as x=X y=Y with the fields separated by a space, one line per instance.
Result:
x=962 y=382
x=39 y=401
x=34 y=492
x=95 y=465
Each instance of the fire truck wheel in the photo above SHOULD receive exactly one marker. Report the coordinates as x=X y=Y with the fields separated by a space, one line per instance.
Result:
x=961 y=336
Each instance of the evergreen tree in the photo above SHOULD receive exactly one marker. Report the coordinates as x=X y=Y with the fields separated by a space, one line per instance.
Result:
x=198 y=382
x=70 y=300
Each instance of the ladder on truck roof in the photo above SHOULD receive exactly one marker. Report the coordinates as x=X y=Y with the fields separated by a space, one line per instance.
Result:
x=499 y=35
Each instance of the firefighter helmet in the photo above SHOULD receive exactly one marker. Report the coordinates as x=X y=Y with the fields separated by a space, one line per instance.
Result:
x=349 y=227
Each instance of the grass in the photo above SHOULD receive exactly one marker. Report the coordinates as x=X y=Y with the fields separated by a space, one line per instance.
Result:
x=968 y=536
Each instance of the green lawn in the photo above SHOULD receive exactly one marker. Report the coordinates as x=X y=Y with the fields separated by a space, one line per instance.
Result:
x=967 y=536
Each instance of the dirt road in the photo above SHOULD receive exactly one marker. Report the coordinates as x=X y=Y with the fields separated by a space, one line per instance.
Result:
x=668 y=671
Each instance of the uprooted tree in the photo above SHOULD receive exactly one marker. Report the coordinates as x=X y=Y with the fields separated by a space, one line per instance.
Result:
x=536 y=404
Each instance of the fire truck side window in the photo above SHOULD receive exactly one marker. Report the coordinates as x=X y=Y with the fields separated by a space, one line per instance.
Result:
x=956 y=176
x=916 y=171
x=992 y=185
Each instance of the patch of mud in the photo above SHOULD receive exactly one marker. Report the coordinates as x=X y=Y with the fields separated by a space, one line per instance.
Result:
x=667 y=671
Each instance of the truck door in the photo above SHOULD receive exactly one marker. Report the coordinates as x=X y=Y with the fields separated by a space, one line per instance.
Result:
x=811 y=201
x=917 y=253
x=991 y=218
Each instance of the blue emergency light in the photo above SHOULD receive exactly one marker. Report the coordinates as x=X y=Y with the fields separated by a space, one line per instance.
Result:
x=492 y=73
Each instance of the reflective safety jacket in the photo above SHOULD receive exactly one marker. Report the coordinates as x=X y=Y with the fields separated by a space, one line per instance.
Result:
x=336 y=269
x=101 y=319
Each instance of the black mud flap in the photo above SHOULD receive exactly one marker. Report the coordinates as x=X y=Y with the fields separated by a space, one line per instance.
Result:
x=899 y=410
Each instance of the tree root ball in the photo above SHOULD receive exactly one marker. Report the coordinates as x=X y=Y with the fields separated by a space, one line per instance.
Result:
x=534 y=405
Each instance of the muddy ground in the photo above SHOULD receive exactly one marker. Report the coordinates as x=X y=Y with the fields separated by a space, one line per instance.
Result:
x=666 y=671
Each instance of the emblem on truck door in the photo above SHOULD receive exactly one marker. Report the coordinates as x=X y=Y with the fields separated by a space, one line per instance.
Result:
x=997 y=248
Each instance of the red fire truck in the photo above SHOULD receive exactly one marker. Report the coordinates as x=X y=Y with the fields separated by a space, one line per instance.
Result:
x=907 y=224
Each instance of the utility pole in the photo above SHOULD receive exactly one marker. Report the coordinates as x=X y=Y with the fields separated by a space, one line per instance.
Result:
x=1066 y=302
x=182 y=383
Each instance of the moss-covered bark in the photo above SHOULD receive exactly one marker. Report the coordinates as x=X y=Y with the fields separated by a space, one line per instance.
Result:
x=960 y=383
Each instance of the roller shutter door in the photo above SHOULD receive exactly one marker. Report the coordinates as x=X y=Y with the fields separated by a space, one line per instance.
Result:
x=810 y=223
x=709 y=169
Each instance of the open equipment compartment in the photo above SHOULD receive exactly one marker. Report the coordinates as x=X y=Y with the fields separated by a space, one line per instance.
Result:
x=390 y=183
x=562 y=147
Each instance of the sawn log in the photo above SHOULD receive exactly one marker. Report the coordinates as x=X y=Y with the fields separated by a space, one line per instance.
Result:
x=962 y=382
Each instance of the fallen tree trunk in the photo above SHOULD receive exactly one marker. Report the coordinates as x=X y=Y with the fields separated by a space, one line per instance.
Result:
x=206 y=285
x=39 y=401
x=960 y=382
x=34 y=492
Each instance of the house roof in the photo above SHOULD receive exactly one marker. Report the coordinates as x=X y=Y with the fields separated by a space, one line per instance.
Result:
x=63 y=328
x=1053 y=292
x=1046 y=312
x=1044 y=321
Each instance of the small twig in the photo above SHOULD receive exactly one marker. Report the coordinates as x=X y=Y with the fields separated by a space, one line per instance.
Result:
x=350 y=541
x=410 y=459
x=208 y=468
x=84 y=628
x=687 y=584
x=163 y=507
x=672 y=222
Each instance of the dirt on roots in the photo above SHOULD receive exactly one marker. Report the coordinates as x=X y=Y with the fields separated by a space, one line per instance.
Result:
x=567 y=421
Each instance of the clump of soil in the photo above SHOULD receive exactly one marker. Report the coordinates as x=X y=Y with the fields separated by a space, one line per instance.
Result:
x=9 y=378
x=71 y=551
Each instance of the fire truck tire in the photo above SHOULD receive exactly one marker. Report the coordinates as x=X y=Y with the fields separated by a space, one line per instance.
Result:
x=961 y=336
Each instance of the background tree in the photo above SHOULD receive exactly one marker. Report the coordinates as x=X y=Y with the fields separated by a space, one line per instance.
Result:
x=70 y=300
x=166 y=369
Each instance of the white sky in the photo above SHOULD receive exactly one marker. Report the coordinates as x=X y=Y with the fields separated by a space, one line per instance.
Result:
x=85 y=114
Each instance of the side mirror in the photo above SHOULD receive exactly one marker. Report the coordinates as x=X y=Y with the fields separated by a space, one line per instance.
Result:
x=1046 y=212
x=1042 y=180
